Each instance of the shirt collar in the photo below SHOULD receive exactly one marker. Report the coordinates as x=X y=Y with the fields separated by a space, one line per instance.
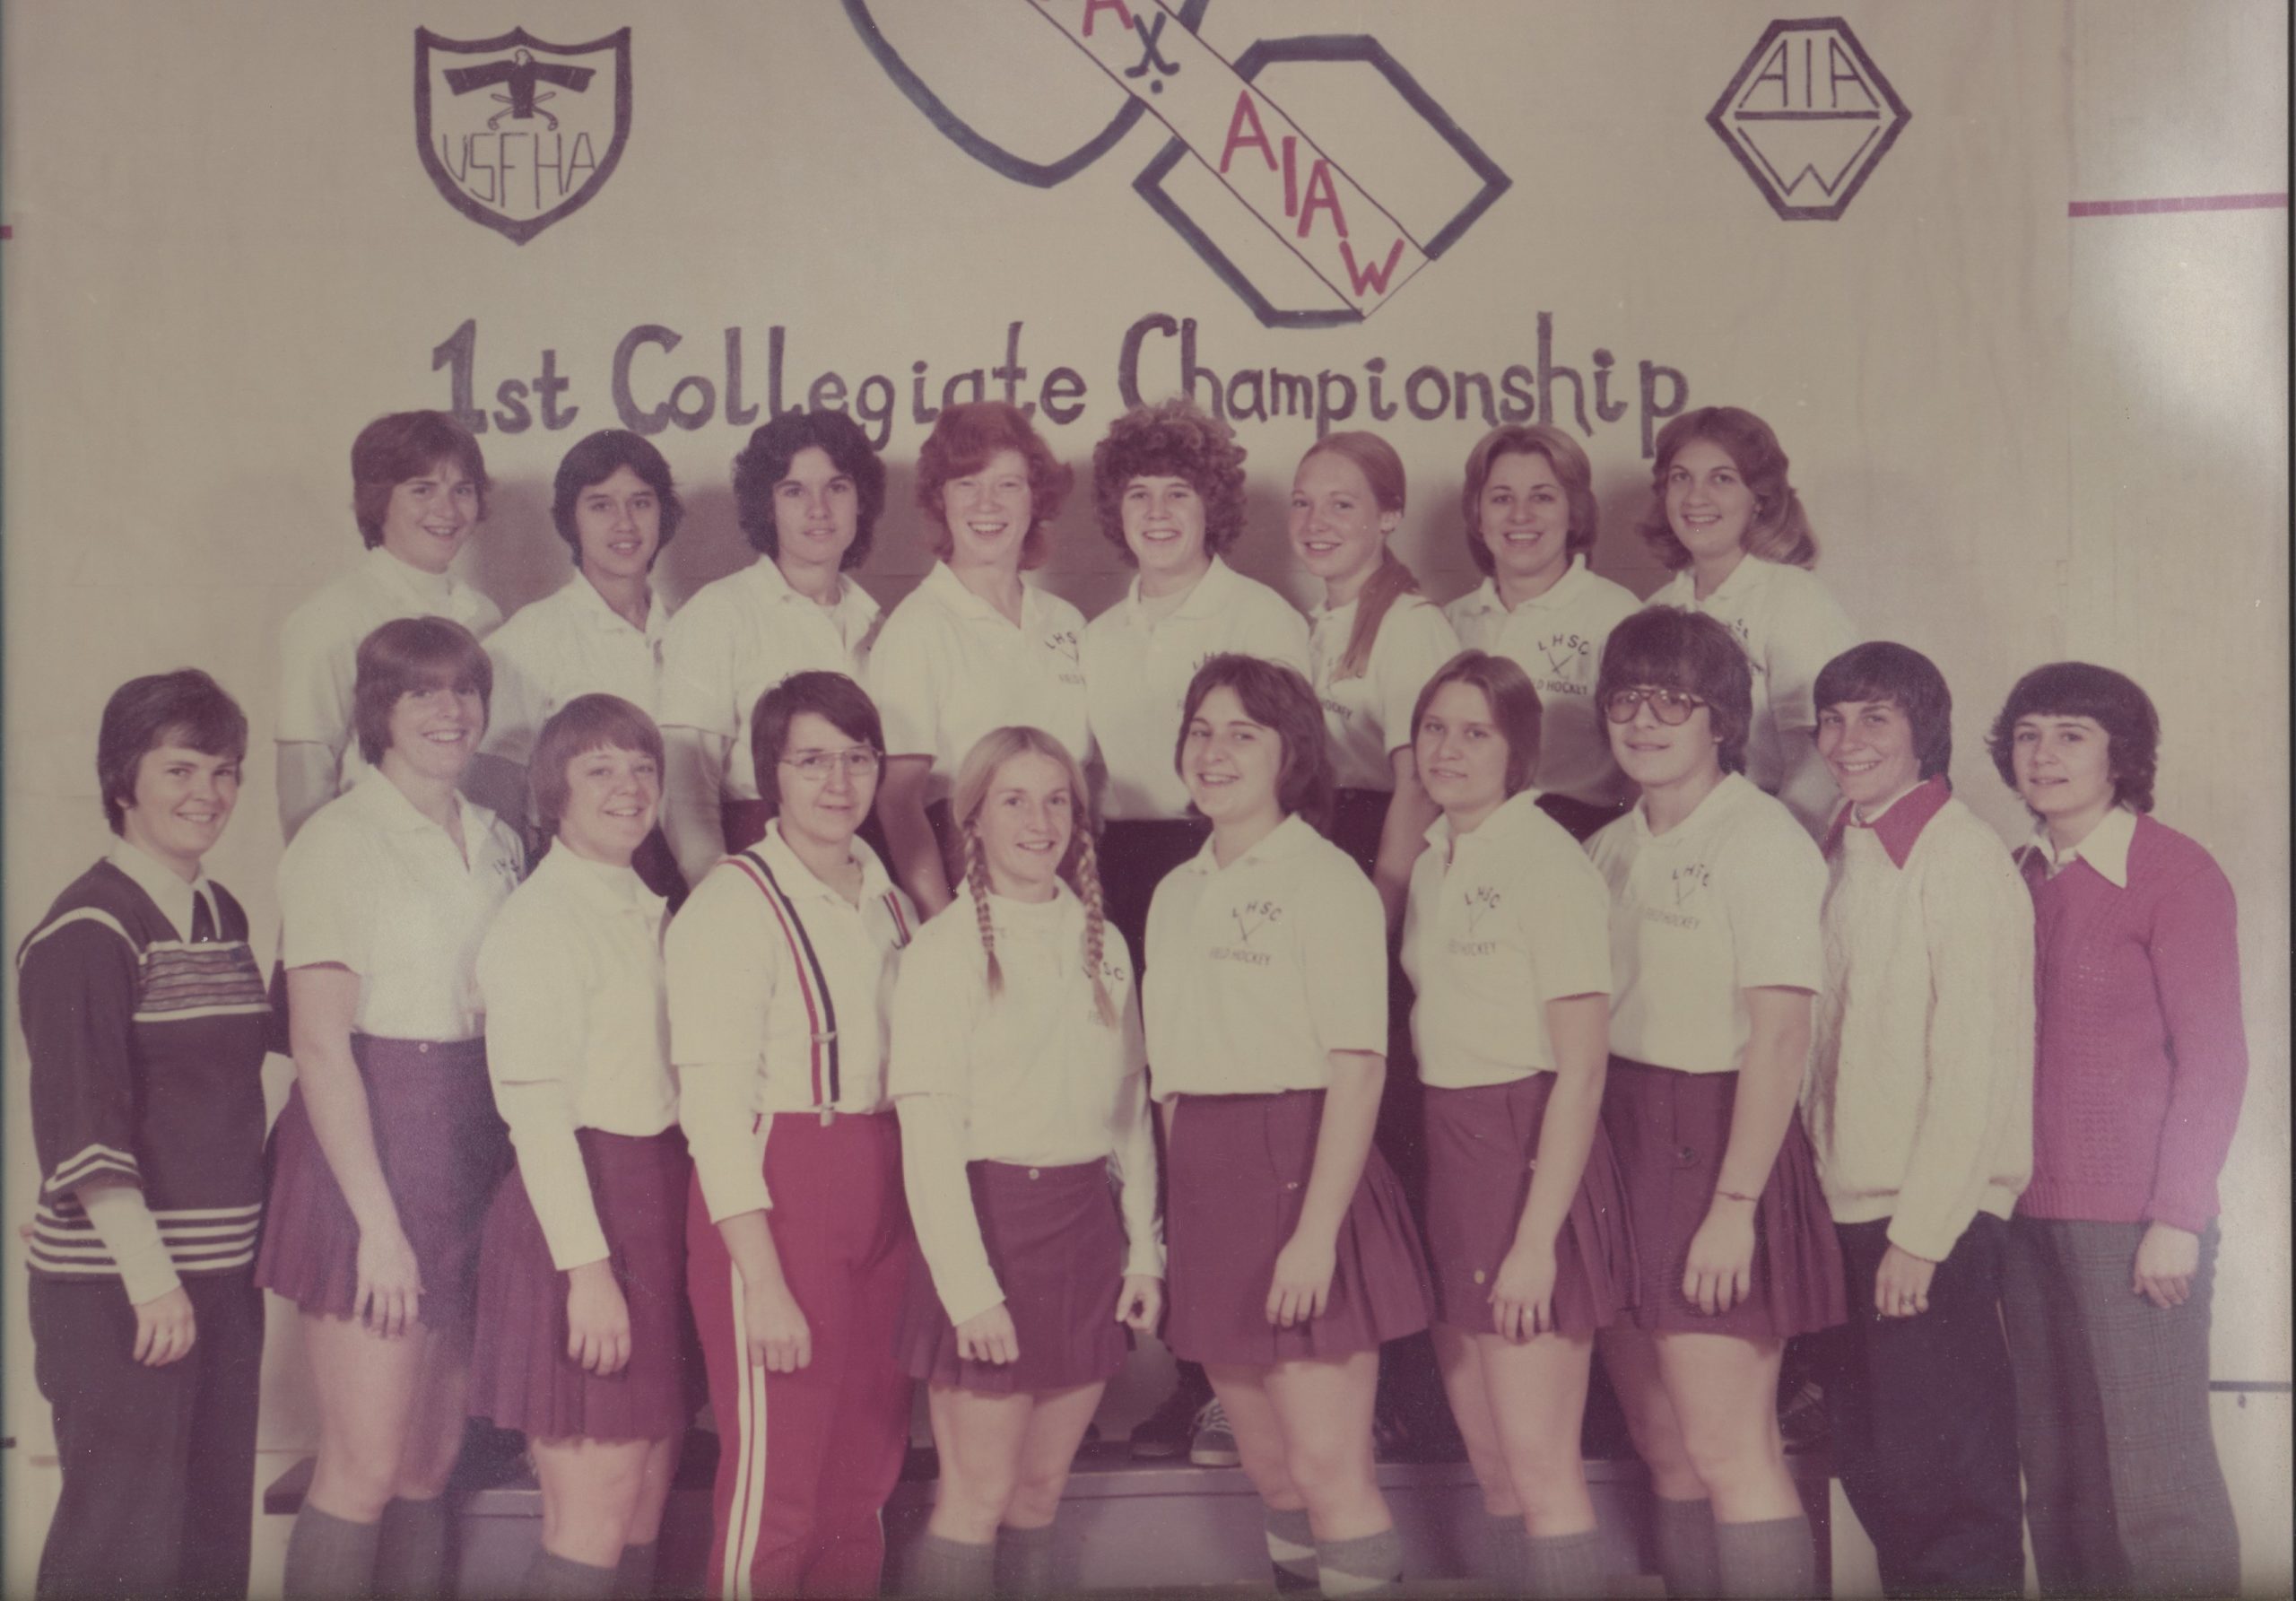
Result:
x=950 y=591
x=1749 y=574
x=1902 y=821
x=1574 y=574
x=1509 y=819
x=1720 y=800
x=583 y=596
x=1482 y=600
x=799 y=879
x=431 y=589
x=2105 y=848
x=1288 y=837
x=387 y=805
x=171 y=895
x=1207 y=599
x=614 y=890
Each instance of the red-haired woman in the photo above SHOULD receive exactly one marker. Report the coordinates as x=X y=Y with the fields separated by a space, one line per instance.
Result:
x=973 y=648
x=1021 y=1076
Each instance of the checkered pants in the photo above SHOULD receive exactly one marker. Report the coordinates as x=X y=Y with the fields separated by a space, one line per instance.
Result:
x=2123 y=1492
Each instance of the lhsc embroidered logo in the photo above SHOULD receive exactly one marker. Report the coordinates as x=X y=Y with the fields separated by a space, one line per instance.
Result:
x=518 y=132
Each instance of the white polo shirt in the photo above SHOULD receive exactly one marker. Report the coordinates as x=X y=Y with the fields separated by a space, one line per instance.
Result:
x=1791 y=627
x=1258 y=970
x=1370 y=717
x=1724 y=901
x=318 y=647
x=746 y=1002
x=1516 y=918
x=1558 y=639
x=738 y=637
x=371 y=884
x=949 y=667
x=1138 y=671
x=566 y=644
x=578 y=1031
x=1031 y=1077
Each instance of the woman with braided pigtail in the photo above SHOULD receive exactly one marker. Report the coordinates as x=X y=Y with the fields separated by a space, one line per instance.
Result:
x=1020 y=1075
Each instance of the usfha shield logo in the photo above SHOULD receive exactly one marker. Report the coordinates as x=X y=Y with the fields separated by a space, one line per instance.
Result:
x=517 y=131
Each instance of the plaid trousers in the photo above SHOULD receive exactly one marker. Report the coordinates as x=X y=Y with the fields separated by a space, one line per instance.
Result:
x=2123 y=1492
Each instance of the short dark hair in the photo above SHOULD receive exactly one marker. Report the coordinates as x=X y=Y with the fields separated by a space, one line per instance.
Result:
x=2114 y=700
x=1277 y=696
x=1515 y=708
x=965 y=439
x=1572 y=471
x=1881 y=670
x=183 y=708
x=1779 y=530
x=405 y=654
x=404 y=444
x=586 y=723
x=830 y=695
x=1673 y=648
x=598 y=457
x=764 y=462
x=1172 y=438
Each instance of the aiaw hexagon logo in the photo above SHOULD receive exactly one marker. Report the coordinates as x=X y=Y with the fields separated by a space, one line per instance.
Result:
x=1809 y=116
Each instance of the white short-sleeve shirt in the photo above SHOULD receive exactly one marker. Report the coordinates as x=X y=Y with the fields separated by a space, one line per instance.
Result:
x=577 y=1031
x=1558 y=639
x=318 y=647
x=1370 y=717
x=1500 y=921
x=1724 y=901
x=371 y=884
x=949 y=667
x=1137 y=670
x=1791 y=627
x=566 y=644
x=747 y=990
x=1258 y=970
x=738 y=637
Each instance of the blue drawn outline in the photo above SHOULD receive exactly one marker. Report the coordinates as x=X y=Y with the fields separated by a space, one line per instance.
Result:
x=1324 y=46
x=1899 y=116
x=1042 y=175
x=513 y=229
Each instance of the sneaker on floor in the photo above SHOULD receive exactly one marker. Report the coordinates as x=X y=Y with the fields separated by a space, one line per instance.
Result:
x=1214 y=1443
x=1164 y=1432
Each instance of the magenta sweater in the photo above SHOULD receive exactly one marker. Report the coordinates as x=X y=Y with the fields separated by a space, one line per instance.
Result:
x=2141 y=1059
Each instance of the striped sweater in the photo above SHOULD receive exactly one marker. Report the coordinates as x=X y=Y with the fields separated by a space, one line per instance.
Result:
x=146 y=1069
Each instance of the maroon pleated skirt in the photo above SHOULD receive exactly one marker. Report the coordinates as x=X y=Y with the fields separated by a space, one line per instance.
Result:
x=443 y=1150
x=521 y=1375
x=1669 y=1130
x=1481 y=1145
x=1236 y=1177
x=1057 y=1246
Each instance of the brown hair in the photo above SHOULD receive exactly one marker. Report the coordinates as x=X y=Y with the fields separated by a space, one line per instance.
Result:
x=1275 y=697
x=1572 y=471
x=833 y=696
x=404 y=444
x=1079 y=867
x=962 y=442
x=1382 y=469
x=1172 y=438
x=183 y=708
x=406 y=655
x=1778 y=531
x=1671 y=648
x=1514 y=702
x=586 y=723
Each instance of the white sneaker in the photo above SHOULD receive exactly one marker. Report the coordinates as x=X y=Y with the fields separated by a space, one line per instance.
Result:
x=1213 y=1443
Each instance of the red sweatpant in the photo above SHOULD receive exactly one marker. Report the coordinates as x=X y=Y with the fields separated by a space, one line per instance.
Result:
x=807 y=1460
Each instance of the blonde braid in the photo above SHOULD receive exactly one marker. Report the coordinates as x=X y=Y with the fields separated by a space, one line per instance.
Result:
x=1085 y=880
x=977 y=883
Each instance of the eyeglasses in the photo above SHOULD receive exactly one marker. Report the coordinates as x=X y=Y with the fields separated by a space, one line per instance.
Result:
x=1670 y=707
x=859 y=761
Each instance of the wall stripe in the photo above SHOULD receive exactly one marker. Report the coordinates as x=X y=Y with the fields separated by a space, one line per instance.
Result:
x=2177 y=202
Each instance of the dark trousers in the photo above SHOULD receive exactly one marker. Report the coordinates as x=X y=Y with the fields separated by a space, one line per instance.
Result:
x=159 y=1463
x=1923 y=1411
x=2123 y=1489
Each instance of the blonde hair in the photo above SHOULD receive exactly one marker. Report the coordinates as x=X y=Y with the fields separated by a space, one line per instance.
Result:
x=1079 y=867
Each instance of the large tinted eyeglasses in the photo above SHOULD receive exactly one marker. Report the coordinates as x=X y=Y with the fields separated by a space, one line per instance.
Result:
x=859 y=761
x=1670 y=707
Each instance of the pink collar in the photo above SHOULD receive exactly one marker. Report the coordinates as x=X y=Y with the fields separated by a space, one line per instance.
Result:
x=1898 y=827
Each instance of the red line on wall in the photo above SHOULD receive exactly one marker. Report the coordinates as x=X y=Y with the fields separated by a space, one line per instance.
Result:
x=2179 y=203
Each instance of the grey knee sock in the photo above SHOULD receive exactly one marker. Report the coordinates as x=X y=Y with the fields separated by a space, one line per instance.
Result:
x=410 y=1554
x=634 y=1575
x=941 y=1566
x=328 y=1556
x=1684 y=1536
x=553 y=1578
x=1772 y=1558
x=1024 y=1561
x=1291 y=1551
x=1361 y=1566
x=1563 y=1566
x=1500 y=1564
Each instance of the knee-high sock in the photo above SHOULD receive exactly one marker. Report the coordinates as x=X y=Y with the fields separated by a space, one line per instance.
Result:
x=1561 y=1566
x=328 y=1556
x=1770 y=1558
x=1684 y=1536
x=1362 y=1566
x=411 y=1554
x=1501 y=1556
x=634 y=1575
x=1024 y=1561
x=553 y=1578
x=944 y=1566
x=1291 y=1551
